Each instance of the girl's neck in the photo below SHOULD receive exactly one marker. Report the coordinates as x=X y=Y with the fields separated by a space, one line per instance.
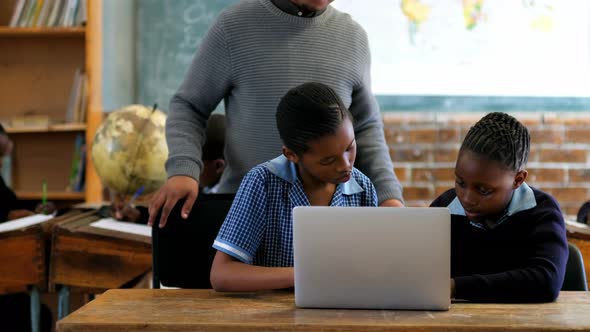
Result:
x=317 y=192
x=321 y=196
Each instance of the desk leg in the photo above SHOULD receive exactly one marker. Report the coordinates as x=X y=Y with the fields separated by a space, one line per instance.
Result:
x=35 y=309
x=63 y=306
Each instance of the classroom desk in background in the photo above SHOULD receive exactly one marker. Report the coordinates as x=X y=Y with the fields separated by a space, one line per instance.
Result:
x=87 y=259
x=96 y=259
x=24 y=258
x=206 y=310
x=24 y=251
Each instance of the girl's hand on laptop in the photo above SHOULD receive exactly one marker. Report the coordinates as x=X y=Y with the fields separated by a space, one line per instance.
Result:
x=392 y=203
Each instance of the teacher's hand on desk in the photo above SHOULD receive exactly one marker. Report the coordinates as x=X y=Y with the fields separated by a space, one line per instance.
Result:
x=176 y=188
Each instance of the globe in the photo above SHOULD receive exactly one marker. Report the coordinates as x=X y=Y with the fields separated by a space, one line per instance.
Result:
x=129 y=150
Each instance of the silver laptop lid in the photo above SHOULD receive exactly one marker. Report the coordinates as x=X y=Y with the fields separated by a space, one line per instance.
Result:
x=372 y=258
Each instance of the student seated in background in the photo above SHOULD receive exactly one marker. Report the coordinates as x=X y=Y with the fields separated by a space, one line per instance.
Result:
x=213 y=160
x=7 y=196
x=15 y=308
x=255 y=243
x=508 y=240
x=584 y=213
x=11 y=208
x=213 y=166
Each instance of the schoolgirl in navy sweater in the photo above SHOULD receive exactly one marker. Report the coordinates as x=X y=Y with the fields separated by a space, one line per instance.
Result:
x=508 y=240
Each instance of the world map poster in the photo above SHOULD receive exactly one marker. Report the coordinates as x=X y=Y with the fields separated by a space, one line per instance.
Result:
x=477 y=47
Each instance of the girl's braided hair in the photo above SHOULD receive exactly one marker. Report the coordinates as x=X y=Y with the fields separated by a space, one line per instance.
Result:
x=500 y=137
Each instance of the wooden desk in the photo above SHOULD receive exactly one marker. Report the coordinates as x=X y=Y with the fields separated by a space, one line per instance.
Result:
x=91 y=260
x=95 y=259
x=23 y=261
x=206 y=310
x=23 y=255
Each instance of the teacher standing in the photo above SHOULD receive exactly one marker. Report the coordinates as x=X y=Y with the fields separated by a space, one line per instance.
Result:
x=252 y=55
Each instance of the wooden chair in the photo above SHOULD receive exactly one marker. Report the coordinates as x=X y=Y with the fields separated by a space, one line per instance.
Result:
x=190 y=238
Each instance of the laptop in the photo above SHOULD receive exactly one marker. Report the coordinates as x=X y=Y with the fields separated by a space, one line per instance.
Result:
x=372 y=257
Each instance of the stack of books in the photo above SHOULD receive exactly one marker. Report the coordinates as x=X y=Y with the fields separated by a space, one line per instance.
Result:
x=78 y=171
x=49 y=13
x=76 y=112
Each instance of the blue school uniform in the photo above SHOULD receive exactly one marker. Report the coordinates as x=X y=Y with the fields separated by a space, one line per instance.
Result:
x=259 y=226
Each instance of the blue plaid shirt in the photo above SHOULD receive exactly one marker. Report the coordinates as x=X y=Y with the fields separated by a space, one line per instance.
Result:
x=259 y=226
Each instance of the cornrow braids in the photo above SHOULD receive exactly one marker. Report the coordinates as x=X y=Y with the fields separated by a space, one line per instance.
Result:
x=308 y=112
x=500 y=137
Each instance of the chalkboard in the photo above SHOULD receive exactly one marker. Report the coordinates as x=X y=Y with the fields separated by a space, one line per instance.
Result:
x=167 y=37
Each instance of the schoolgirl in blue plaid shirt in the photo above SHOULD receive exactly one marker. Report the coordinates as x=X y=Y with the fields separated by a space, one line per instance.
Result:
x=255 y=243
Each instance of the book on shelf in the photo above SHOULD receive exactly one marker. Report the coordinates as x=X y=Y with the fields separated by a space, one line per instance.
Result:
x=69 y=13
x=81 y=14
x=54 y=16
x=28 y=11
x=49 y=13
x=44 y=14
x=81 y=174
x=77 y=172
x=30 y=14
x=82 y=103
x=30 y=119
x=36 y=12
x=17 y=13
x=76 y=111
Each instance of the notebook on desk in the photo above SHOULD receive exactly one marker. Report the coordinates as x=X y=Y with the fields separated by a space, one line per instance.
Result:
x=372 y=258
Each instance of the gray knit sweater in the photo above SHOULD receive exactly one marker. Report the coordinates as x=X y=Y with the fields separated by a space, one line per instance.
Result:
x=250 y=57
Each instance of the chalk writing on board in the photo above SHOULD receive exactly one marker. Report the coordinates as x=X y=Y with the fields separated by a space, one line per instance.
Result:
x=192 y=17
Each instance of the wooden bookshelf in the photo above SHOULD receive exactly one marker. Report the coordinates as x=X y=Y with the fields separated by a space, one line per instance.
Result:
x=64 y=127
x=38 y=67
x=76 y=32
x=51 y=195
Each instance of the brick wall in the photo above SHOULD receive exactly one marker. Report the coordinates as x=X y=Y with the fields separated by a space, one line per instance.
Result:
x=424 y=148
